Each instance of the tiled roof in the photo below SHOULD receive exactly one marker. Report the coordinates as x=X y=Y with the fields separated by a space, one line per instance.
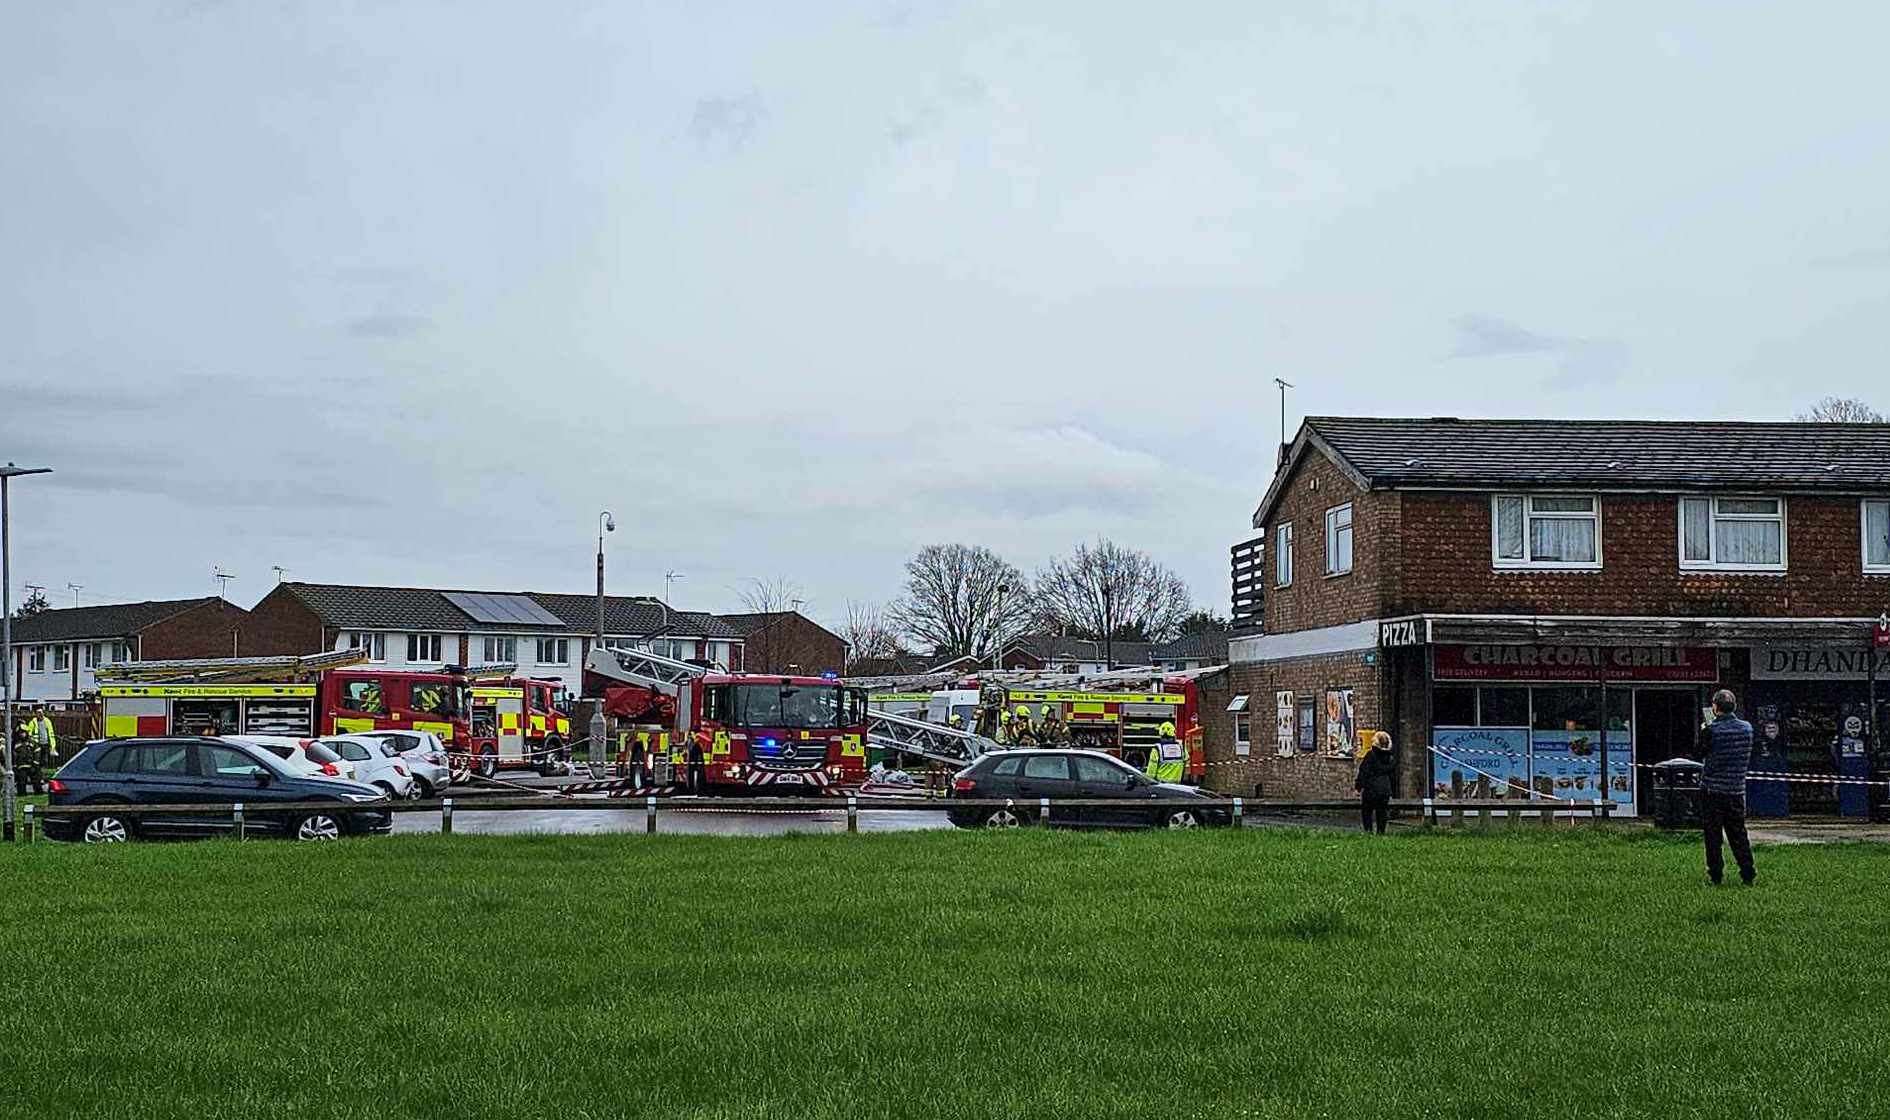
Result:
x=1391 y=452
x=1208 y=646
x=427 y=609
x=748 y=624
x=1049 y=647
x=107 y=620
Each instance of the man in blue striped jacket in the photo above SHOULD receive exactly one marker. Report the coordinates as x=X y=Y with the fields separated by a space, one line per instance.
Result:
x=1727 y=743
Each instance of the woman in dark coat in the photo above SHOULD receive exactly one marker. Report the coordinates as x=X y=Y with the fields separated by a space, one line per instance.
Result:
x=1373 y=783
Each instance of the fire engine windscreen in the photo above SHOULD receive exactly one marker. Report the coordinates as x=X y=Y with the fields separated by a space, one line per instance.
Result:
x=798 y=706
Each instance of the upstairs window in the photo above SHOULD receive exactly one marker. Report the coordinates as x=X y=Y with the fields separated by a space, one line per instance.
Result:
x=423 y=649
x=1546 y=531
x=1877 y=537
x=1283 y=555
x=1339 y=540
x=1733 y=534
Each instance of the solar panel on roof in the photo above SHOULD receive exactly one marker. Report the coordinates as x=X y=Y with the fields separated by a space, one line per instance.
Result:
x=503 y=610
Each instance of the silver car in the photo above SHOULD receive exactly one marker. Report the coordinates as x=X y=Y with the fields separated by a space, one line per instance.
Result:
x=376 y=763
x=424 y=755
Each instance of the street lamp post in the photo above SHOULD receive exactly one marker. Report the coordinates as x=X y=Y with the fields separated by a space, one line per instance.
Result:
x=594 y=748
x=7 y=474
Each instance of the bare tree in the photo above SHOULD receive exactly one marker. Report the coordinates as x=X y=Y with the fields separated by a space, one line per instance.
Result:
x=1108 y=592
x=772 y=597
x=961 y=599
x=1842 y=410
x=868 y=634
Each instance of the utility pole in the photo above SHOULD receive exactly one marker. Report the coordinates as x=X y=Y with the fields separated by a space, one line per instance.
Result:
x=7 y=474
x=594 y=749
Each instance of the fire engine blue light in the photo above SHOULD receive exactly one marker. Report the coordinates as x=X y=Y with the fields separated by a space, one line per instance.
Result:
x=767 y=742
x=829 y=675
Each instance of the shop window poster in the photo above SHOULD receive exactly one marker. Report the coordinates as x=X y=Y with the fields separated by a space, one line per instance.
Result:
x=1341 y=730
x=1479 y=763
x=1567 y=764
x=1283 y=728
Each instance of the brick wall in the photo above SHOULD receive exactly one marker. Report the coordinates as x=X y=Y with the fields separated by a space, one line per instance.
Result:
x=1446 y=565
x=793 y=640
x=1315 y=599
x=211 y=629
x=1301 y=775
x=282 y=625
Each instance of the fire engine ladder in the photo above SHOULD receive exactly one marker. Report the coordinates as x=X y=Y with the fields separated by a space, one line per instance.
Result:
x=926 y=740
x=652 y=671
x=228 y=670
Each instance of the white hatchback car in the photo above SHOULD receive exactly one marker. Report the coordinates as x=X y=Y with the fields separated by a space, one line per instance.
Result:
x=304 y=756
x=376 y=762
x=425 y=757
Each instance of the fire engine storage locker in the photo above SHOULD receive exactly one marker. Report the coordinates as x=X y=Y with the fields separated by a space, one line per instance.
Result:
x=179 y=709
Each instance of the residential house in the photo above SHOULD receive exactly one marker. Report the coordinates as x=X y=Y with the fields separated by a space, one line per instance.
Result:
x=56 y=651
x=1087 y=656
x=547 y=636
x=788 y=642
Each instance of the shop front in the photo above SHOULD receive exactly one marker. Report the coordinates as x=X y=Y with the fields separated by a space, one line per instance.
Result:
x=1564 y=720
x=1811 y=705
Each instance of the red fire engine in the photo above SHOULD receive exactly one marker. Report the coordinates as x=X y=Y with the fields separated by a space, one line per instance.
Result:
x=733 y=732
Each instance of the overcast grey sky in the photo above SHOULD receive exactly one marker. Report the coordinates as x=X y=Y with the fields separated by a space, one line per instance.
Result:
x=407 y=292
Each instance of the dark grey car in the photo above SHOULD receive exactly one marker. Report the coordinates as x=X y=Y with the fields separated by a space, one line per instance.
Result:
x=1027 y=776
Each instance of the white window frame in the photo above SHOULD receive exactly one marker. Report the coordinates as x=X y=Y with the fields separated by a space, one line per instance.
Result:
x=1863 y=534
x=35 y=659
x=1332 y=531
x=1283 y=554
x=559 y=648
x=420 y=645
x=375 y=645
x=62 y=658
x=88 y=654
x=1712 y=538
x=496 y=651
x=1527 y=562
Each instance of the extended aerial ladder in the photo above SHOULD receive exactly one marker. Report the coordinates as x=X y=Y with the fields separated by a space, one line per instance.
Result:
x=676 y=679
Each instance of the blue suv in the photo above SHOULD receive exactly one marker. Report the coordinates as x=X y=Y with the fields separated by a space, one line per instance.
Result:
x=204 y=771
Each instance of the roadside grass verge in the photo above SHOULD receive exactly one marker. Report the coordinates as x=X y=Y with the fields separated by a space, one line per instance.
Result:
x=1269 y=973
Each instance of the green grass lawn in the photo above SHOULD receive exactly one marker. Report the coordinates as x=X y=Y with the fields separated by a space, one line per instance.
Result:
x=1267 y=973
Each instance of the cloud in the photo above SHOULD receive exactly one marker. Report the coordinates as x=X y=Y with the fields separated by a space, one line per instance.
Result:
x=1582 y=361
x=727 y=121
x=388 y=325
x=1860 y=258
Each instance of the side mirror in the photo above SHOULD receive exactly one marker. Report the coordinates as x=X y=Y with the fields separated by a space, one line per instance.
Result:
x=1131 y=782
x=261 y=775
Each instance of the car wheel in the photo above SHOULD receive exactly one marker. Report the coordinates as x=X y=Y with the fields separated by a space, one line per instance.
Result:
x=318 y=826
x=1003 y=818
x=488 y=763
x=548 y=762
x=388 y=789
x=422 y=789
x=1181 y=818
x=106 y=829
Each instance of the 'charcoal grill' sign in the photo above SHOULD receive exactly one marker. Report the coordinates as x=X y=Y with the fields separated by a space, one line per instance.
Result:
x=1577 y=663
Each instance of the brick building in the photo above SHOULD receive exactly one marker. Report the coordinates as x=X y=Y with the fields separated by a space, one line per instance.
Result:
x=788 y=642
x=56 y=651
x=1515 y=599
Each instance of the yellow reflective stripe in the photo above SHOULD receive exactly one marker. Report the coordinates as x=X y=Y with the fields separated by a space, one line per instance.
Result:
x=1102 y=697
x=489 y=693
x=350 y=726
x=120 y=727
x=211 y=691
x=443 y=730
x=538 y=725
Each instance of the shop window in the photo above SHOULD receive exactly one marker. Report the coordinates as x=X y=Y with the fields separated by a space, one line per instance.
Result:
x=423 y=649
x=1877 y=536
x=1503 y=707
x=1243 y=733
x=1306 y=717
x=1339 y=540
x=1546 y=531
x=1341 y=724
x=1283 y=555
x=1733 y=534
x=1454 y=707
